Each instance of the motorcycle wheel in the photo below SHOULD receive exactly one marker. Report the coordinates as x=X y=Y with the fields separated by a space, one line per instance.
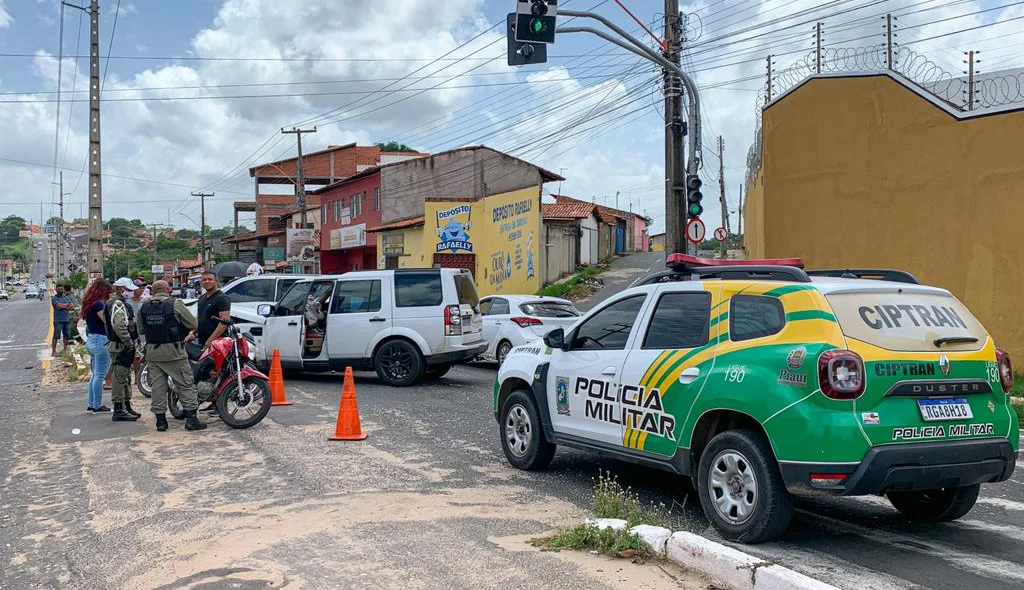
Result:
x=142 y=382
x=245 y=409
x=174 y=403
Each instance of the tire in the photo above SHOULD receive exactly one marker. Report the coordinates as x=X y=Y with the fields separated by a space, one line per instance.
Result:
x=522 y=437
x=142 y=382
x=174 y=404
x=746 y=498
x=941 y=505
x=437 y=371
x=249 y=409
x=398 y=363
x=501 y=352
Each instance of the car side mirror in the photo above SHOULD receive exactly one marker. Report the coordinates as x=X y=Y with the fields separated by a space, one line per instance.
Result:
x=266 y=310
x=555 y=338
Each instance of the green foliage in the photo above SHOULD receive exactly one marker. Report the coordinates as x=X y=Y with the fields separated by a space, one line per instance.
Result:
x=570 y=289
x=78 y=280
x=20 y=250
x=394 y=146
x=219 y=257
x=220 y=233
x=188 y=234
x=10 y=228
x=611 y=500
x=53 y=220
x=589 y=537
x=173 y=248
x=122 y=229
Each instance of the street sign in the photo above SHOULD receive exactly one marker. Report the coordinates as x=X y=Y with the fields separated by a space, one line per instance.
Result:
x=535 y=20
x=695 y=230
x=72 y=268
x=721 y=235
x=520 y=53
x=156 y=269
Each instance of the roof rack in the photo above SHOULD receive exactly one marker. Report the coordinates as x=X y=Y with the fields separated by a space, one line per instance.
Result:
x=773 y=269
x=877 y=274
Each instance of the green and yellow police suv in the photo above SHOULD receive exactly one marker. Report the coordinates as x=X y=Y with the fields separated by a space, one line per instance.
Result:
x=762 y=381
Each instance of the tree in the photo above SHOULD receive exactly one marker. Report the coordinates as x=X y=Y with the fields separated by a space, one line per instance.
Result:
x=54 y=220
x=10 y=229
x=394 y=146
x=122 y=229
x=220 y=233
x=188 y=234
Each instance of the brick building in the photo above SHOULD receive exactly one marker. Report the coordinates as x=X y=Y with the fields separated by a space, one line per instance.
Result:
x=347 y=208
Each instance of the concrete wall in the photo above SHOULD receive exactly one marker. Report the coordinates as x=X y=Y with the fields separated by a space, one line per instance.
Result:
x=470 y=172
x=588 y=240
x=863 y=171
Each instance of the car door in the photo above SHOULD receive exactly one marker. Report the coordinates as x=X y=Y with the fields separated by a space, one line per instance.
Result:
x=357 y=317
x=667 y=365
x=283 y=329
x=583 y=379
x=495 y=315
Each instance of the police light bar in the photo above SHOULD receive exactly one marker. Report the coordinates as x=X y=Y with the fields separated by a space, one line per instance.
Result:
x=681 y=262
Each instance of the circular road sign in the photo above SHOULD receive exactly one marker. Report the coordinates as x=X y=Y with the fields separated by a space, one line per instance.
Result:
x=720 y=234
x=695 y=230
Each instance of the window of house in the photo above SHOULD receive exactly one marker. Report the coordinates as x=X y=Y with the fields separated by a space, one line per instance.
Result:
x=681 y=320
x=357 y=204
x=376 y=199
x=755 y=316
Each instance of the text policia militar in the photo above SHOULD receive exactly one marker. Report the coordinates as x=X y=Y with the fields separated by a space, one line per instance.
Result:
x=638 y=408
x=891 y=316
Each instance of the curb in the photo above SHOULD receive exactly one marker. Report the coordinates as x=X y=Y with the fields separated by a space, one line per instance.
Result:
x=724 y=565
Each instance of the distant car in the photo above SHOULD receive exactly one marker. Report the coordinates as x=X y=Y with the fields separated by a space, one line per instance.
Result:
x=33 y=292
x=514 y=320
x=4 y=295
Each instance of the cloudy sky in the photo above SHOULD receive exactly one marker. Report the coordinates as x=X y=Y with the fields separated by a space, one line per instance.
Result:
x=196 y=91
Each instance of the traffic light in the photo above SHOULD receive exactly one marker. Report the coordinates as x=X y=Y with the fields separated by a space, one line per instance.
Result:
x=693 y=196
x=520 y=53
x=535 y=20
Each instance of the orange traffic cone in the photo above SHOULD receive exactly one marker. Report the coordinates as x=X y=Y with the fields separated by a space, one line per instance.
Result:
x=347 y=427
x=277 y=396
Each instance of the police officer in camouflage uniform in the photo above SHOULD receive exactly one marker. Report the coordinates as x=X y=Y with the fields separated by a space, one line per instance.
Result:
x=122 y=334
x=166 y=322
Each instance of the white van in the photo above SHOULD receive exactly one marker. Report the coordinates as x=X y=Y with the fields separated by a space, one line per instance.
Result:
x=405 y=324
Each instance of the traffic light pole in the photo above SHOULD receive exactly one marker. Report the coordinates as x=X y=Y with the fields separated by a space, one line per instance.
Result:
x=630 y=43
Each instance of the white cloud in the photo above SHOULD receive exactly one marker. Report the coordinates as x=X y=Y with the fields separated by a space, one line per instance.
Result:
x=124 y=9
x=5 y=17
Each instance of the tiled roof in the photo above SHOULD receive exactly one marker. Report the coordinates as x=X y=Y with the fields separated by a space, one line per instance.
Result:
x=397 y=225
x=567 y=210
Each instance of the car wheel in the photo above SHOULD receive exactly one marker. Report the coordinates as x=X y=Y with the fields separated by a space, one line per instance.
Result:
x=398 y=363
x=941 y=505
x=741 y=488
x=521 y=436
x=500 y=353
x=437 y=371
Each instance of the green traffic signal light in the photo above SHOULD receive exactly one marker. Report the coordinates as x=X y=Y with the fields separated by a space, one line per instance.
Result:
x=538 y=25
x=695 y=209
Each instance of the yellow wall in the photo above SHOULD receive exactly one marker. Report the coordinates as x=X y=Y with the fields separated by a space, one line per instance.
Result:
x=415 y=257
x=753 y=216
x=864 y=172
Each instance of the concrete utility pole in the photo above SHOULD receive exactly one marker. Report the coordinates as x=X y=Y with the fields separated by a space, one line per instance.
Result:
x=675 y=211
x=721 y=184
x=202 y=219
x=300 y=180
x=60 y=262
x=739 y=229
x=95 y=188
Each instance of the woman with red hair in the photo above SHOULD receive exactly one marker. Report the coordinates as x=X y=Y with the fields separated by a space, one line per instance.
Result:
x=96 y=341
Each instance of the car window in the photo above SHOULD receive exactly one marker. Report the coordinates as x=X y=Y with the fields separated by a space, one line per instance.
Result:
x=356 y=296
x=549 y=309
x=499 y=306
x=294 y=301
x=418 y=289
x=485 y=306
x=282 y=287
x=254 y=290
x=681 y=320
x=609 y=328
x=466 y=290
x=755 y=316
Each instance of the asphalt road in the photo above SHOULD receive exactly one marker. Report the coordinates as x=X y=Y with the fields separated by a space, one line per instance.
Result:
x=623 y=271
x=23 y=328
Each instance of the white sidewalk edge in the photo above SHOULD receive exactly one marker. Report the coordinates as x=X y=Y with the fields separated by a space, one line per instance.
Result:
x=724 y=565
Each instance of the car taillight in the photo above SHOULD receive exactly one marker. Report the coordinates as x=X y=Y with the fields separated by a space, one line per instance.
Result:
x=526 y=322
x=452 y=320
x=841 y=374
x=1005 y=370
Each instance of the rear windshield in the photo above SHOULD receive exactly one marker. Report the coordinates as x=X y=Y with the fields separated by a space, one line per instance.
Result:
x=467 y=290
x=907 y=321
x=549 y=309
x=418 y=289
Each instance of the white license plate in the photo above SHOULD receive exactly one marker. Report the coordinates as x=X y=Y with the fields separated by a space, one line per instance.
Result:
x=933 y=410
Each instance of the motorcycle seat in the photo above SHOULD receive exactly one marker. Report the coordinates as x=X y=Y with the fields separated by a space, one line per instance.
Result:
x=194 y=350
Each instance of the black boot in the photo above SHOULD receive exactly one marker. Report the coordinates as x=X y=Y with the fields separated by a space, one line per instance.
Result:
x=161 y=422
x=128 y=409
x=192 y=422
x=122 y=416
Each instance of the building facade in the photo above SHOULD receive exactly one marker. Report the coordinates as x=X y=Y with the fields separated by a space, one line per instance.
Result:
x=347 y=209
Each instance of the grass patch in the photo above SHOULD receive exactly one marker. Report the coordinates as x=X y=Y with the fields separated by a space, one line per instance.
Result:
x=578 y=286
x=1018 y=386
x=1018 y=406
x=611 y=500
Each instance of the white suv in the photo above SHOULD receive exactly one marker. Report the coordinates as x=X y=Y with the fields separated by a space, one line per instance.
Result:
x=405 y=324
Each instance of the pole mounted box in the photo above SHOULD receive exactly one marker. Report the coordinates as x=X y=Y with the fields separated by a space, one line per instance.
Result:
x=522 y=53
x=535 y=20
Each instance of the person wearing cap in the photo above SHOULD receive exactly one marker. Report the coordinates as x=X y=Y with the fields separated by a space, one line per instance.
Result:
x=122 y=334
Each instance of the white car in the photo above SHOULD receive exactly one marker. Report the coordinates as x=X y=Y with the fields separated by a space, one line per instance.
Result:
x=514 y=320
x=33 y=292
x=4 y=295
x=405 y=324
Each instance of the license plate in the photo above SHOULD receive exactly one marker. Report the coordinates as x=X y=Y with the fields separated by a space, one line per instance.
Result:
x=933 y=410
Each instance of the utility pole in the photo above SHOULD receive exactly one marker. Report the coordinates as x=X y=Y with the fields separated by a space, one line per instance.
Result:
x=970 y=79
x=768 y=88
x=739 y=229
x=888 y=41
x=721 y=188
x=202 y=219
x=300 y=180
x=675 y=170
x=817 y=48
x=60 y=262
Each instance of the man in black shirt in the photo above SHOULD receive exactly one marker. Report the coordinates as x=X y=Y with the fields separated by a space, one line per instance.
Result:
x=213 y=304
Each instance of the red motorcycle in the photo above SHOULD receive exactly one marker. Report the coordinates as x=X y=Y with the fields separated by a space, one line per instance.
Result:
x=225 y=376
